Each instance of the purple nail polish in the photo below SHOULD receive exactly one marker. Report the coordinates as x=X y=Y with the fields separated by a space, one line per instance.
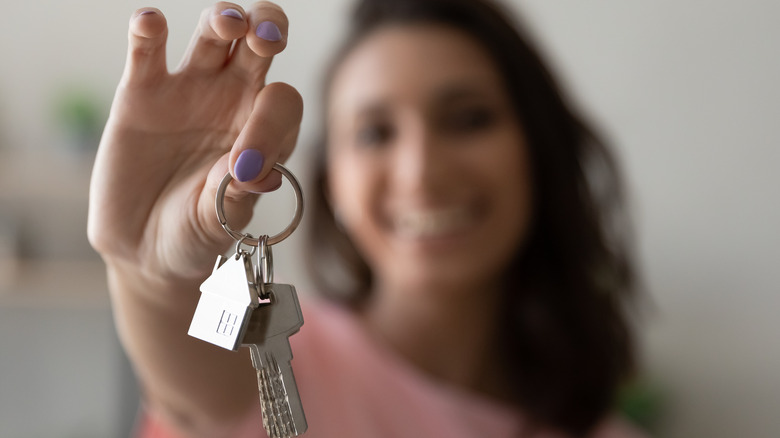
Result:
x=248 y=165
x=268 y=31
x=234 y=13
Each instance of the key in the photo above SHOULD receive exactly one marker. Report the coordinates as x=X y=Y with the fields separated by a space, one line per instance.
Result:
x=270 y=326
x=228 y=298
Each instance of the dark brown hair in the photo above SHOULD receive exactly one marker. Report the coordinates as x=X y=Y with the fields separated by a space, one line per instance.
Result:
x=567 y=340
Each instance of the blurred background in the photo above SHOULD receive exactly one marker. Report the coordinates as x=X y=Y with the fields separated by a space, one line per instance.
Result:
x=686 y=91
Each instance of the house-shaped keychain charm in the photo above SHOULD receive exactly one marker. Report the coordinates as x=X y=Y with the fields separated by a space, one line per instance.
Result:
x=227 y=300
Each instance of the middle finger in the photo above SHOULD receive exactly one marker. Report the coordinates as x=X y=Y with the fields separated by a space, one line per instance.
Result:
x=210 y=46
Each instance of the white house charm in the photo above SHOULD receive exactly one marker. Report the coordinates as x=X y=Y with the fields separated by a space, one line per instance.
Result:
x=227 y=300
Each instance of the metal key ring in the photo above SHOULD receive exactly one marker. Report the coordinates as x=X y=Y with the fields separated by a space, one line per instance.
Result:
x=247 y=239
x=240 y=242
x=264 y=268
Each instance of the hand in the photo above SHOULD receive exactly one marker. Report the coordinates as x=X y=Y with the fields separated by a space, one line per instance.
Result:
x=171 y=137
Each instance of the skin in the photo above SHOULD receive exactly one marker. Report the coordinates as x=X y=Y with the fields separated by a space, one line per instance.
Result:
x=428 y=167
x=171 y=136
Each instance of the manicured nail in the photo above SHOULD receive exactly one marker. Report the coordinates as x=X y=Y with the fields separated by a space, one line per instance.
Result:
x=268 y=31
x=248 y=165
x=235 y=13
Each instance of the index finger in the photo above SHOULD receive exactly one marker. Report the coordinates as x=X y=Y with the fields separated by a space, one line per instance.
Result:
x=268 y=137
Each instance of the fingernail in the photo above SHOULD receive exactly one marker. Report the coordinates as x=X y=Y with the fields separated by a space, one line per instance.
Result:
x=248 y=165
x=235 y=13
x=268 y=31
x=147 y=13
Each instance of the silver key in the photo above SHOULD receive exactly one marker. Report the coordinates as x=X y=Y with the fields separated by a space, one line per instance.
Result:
x=228 y=298
x=270 y=326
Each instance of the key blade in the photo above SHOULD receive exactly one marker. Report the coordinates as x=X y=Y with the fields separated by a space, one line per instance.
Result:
x=282 y=410
x=267 y=336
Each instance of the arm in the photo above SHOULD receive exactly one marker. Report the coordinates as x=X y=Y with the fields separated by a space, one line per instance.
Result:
x=169 y=140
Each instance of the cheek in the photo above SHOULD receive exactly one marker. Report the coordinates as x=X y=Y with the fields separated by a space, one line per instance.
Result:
x=358 y=187
x=512 y=186
x=352 y=190
x=342 y=188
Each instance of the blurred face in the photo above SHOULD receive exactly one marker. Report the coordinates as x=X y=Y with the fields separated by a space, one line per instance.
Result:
x=427 y=162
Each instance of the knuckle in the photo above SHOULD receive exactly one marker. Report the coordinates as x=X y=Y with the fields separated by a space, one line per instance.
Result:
x=107 y=239
x=100 y=241
x=207 y=13
x=148 y=27
x=287 y=95
x=204 y=23
x=270 y=10
x=223 y=5
x=96 y=240
x=264 y=4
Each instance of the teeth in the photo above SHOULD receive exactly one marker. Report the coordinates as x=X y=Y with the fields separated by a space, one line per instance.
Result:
x=432 y=223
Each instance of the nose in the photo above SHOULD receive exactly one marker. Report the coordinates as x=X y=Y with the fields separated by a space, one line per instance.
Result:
x=422 y=165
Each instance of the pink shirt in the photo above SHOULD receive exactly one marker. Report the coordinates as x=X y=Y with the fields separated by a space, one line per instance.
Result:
x=353 y=388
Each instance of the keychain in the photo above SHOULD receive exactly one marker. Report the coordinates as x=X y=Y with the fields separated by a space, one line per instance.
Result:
x=240 y=305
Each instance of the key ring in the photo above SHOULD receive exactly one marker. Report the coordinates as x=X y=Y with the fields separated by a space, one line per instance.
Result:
x=264 y=268
x=247 y=239
x=239 y=251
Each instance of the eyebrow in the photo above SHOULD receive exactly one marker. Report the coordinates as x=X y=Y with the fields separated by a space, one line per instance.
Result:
x=454 y=93
x=373 y=109
x=445 y=96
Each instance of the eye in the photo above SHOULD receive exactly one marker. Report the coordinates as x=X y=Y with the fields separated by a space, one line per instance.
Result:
x=468 y=119
x=374 y=134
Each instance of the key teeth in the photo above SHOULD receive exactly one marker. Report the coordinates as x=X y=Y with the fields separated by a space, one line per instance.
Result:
x=277 y=415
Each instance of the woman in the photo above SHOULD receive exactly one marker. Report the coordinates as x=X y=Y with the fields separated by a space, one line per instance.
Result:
x=481 y=280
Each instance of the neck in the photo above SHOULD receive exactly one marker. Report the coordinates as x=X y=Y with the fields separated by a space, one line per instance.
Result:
x=449 y=334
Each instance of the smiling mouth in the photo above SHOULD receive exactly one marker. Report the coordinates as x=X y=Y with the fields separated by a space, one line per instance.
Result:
x=422 y=224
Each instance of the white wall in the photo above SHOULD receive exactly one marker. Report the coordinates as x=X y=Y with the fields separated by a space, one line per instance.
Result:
x=686 y=90
x=689 y=93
